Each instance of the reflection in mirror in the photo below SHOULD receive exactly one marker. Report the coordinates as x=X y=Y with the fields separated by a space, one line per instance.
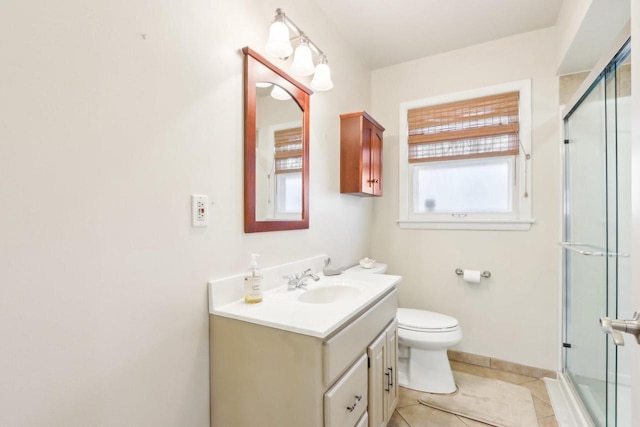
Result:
x=276 y=148
x=278 y=154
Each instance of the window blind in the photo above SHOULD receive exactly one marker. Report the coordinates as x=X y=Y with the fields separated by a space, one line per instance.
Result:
x=480 y=127
x=288 y=150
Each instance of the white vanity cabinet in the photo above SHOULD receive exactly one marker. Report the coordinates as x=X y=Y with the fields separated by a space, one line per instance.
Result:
x=383 y=384
x=270 y=377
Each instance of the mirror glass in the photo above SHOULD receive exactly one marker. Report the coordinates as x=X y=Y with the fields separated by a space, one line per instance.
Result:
x=278 y=154
x=276 y=148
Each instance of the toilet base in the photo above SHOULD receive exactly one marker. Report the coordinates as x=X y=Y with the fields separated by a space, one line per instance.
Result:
x=426 y=370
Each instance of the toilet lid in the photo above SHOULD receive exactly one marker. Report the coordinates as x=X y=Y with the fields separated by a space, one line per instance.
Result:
x=422 y=320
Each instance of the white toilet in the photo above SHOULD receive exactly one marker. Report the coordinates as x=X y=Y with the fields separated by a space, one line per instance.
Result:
x=423 y=340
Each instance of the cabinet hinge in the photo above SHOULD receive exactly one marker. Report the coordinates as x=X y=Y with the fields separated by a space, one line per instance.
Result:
x=566 y=141
x=566 y=345
x=368 y=362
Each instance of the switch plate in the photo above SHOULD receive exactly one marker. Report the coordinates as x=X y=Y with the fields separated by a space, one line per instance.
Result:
x=199 y=210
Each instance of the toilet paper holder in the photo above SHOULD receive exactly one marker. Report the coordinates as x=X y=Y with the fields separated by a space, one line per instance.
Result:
x=486 y=274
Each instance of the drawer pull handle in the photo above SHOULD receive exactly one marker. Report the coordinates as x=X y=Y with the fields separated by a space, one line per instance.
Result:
x=352 y=407
x=389 y=375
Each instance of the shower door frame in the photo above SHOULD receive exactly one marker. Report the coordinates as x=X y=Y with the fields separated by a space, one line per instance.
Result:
x=599 y=75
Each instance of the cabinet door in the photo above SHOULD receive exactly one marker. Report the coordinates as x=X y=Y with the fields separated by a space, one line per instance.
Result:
x=366 y=159
x=377 y=381
x=371 y=159
x=391 y=374
x=375 y=164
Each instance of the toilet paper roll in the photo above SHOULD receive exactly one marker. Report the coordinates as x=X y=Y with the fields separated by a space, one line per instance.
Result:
x=471 y=276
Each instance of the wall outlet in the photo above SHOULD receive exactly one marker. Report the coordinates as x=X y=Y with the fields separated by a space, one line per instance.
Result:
x=199 y=210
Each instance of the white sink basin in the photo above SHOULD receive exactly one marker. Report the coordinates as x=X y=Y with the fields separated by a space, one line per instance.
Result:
x=329 y=293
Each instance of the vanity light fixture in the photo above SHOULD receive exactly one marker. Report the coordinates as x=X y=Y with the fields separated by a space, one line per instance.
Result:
x=322 y=76
x=279 y=45
x=302 y=64
x=280 y=94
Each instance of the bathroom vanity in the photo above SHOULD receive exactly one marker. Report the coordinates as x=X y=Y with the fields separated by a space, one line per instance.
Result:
x=321 y=356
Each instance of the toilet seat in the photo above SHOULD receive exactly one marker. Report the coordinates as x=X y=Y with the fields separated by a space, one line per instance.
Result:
x=425 y=321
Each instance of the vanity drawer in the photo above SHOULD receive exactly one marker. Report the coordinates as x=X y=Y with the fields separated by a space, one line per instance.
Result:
x=364 y=421
x=346 y=401
x=342 y=349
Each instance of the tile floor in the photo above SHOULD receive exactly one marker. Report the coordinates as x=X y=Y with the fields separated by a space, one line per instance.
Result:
x=410 y=413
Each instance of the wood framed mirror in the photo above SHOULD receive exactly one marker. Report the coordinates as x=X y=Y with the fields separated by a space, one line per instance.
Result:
x=276 y=148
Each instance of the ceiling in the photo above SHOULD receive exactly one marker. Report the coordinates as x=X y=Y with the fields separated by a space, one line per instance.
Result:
x=389 y=32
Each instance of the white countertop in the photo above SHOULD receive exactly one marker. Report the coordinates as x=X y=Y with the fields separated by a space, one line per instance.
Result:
x=281 y=309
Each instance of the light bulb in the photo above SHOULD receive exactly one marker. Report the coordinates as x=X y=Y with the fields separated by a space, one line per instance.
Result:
x=302 y=61
x=279 y=44
x=322 y=77
x=280 y=94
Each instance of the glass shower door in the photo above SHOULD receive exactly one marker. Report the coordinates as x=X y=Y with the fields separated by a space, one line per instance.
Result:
x=586 y=238
x=597 y=221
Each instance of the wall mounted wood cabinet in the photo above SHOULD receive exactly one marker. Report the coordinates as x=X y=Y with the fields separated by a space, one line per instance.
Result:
x=360 y=155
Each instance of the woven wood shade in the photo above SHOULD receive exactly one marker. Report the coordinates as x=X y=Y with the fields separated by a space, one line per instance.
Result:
x=288 y=150
x=480 y=127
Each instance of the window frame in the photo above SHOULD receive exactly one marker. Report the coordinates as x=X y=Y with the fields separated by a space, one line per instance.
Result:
x=520 y=219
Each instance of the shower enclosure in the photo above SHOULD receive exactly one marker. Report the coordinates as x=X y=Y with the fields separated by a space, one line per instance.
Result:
x=596 y=243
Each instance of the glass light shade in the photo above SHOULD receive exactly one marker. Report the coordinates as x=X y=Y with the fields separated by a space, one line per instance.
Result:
x=302 y=60
x=278 y=44
x=280 y=94
x=322 y=78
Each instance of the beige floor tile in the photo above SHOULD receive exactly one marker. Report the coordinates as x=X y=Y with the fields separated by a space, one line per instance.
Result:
x=407 y=397
x=397 y=421
x=548 y=422
x=539 y=390
x=472 y=423
x=543 y=409
x=424 y=416
x=491 y=373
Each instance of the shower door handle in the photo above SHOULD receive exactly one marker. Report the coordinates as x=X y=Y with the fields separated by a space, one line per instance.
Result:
x=615 y=327
x=590 y=250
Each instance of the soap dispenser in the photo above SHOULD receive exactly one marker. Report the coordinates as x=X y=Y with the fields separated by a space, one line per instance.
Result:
x=253 y=282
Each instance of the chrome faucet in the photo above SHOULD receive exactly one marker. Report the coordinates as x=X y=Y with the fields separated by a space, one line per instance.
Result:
x=297 y=281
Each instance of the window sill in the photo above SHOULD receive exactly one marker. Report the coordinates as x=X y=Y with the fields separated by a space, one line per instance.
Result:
x=459 y=224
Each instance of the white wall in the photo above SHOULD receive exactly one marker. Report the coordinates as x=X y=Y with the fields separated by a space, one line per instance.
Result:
x=586 y=29
x=513 y=315
x=104 y=135
x=572 y=14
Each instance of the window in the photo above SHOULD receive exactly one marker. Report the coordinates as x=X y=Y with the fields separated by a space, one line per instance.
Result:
x=288 y=169
x=289 y=193
x=464 y=160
